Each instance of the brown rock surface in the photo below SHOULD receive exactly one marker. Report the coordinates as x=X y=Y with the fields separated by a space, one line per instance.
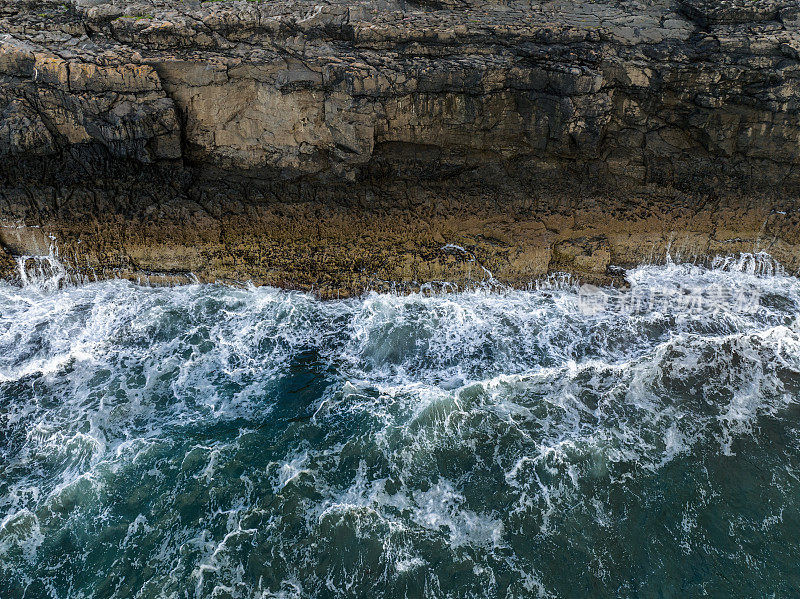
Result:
x=340 y=146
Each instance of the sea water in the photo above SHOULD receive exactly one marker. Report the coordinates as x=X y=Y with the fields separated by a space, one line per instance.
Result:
x=563 y=441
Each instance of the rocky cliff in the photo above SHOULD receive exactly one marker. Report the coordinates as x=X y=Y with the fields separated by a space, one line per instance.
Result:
x=343 y=145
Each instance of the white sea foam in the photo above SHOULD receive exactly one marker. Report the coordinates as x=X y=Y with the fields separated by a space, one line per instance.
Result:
x=337 y=447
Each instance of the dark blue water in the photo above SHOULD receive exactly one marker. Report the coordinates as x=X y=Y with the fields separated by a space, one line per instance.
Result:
x=208 y=441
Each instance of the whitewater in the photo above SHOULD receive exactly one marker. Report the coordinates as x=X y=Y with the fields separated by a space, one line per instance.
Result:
x=559 y=441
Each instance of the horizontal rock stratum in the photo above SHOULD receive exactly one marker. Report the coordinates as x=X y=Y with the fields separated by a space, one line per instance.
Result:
x=346 y=145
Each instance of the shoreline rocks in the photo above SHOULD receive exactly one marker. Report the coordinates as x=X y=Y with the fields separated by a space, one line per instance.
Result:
x=336 y=146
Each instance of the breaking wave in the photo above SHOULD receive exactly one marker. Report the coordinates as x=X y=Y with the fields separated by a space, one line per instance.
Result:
x=209 y=441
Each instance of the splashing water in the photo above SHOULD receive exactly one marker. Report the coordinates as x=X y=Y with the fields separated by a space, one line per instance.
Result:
x=208 y=441
x=46 y=273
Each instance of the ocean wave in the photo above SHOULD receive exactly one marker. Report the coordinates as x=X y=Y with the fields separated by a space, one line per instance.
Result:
x=215 y=441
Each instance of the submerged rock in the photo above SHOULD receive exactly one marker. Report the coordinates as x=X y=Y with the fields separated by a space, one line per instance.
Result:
x=340 y=146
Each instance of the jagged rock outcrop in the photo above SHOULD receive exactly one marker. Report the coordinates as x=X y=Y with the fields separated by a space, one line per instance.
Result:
x=340 y=145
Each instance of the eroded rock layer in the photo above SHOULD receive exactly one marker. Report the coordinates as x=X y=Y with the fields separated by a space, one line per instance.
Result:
x=339 y=146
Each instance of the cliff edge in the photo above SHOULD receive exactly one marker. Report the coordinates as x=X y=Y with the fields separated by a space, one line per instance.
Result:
x=346 y=145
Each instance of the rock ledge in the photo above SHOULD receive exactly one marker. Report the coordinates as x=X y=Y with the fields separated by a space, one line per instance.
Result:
x=341 y=146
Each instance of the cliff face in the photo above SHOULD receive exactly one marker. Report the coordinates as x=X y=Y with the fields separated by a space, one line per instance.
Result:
x=341 y=145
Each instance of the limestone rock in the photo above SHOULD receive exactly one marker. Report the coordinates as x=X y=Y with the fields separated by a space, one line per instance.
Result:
x=144 y=120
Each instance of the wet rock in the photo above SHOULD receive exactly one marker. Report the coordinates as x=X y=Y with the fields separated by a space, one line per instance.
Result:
x=336 y=145
x=707 y=12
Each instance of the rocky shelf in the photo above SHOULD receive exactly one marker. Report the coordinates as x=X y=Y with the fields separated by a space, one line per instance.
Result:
x=345 y=145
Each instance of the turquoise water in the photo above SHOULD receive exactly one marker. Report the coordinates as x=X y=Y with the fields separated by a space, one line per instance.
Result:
x=209 y=441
